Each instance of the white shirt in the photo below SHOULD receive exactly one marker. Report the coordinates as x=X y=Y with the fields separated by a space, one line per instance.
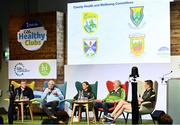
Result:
x=51 y=96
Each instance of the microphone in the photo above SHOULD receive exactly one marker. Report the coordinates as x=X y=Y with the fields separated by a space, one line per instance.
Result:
x=168 y=73
x=165 y=75
x=50 y=91
x=134 y=72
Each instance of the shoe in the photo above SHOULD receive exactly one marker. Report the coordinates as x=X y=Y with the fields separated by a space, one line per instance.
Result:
x=53 y=117
x=108 y=122
x=109 y=117
x=111 y=123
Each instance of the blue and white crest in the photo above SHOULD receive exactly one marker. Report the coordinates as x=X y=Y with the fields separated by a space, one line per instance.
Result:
x=90 y=47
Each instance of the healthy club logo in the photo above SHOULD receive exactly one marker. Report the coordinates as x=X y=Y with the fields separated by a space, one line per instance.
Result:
x=44 y=69
x=20 y=69
x=32 y=35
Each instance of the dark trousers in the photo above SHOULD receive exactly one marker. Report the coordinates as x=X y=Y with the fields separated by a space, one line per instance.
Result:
x=104 y=105
x=53 y=105
x=11 y=111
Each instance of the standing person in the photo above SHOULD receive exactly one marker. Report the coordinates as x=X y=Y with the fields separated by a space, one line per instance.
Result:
x=24 y=91
x=1 y=120
x=124 y=105
x=11 y=104
x=51 y=96
x=116 y=95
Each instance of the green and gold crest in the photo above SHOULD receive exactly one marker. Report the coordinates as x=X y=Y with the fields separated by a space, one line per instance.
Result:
x=90 y=22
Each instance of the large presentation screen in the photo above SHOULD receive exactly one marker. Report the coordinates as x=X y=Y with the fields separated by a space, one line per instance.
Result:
x=117 y=31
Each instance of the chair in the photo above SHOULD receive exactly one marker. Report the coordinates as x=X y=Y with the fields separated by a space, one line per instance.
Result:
x=146 y=107
x=92 y=86
x=38 y=101
x=30 y=85
x=62 y=87
x=109 y=85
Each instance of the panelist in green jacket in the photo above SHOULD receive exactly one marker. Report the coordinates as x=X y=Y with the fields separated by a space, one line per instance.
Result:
x=116 y=95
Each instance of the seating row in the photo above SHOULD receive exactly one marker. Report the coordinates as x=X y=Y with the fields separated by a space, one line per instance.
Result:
x=144 y=108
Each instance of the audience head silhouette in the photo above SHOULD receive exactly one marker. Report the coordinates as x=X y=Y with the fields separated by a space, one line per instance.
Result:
x=165 y=119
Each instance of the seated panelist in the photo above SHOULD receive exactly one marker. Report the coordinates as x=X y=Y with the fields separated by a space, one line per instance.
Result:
x=85 y=92
x=24 y=91
x=51 y=97
x=116 y=95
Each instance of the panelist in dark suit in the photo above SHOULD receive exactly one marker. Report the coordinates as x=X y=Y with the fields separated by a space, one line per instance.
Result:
x=24 y=91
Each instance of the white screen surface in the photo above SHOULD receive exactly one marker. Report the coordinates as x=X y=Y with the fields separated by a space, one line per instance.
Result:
x=113 y=32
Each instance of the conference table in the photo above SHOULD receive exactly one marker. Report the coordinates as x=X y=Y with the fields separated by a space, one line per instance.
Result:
x=23 y=102
x=80 y=104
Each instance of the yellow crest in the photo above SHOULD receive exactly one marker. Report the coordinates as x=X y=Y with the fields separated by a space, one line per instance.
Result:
x=90 y=22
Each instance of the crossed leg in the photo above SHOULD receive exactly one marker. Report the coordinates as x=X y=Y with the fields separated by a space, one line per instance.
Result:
x=126 y=106
x=118 y=107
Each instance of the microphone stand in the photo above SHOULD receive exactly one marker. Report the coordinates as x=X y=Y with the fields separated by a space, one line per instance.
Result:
x=162 y=79
x=134 y=102
x=11 y=104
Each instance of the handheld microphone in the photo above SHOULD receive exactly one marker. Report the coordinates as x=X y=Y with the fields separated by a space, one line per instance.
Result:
x=50 y=91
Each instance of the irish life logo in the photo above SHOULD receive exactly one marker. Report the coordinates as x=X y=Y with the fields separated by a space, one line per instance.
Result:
x=32 y=35
x=44 y=69
x=20 y=69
